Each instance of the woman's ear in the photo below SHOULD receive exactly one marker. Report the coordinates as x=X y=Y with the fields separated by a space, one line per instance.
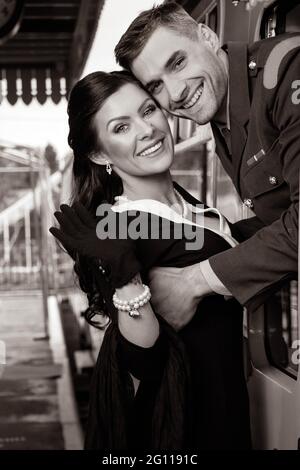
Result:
x=208 y=36
x=99 y=158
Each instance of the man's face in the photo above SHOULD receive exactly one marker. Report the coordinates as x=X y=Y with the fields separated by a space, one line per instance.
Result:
x=186 y=77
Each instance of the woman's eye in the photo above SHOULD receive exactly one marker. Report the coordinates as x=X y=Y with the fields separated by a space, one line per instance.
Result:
x=149 y=110
x=121 y=128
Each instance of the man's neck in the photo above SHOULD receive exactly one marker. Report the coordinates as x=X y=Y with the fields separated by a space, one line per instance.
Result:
x=221 y=119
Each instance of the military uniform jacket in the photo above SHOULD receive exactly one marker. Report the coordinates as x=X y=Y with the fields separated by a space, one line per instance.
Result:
x=264 y=87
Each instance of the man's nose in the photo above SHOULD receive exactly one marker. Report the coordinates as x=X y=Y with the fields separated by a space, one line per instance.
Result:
x=178 y=91
x=145 y=129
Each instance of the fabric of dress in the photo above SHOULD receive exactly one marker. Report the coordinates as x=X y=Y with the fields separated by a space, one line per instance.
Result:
x=192 y=391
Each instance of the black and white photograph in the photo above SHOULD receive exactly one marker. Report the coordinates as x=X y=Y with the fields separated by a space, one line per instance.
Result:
x=149 y=212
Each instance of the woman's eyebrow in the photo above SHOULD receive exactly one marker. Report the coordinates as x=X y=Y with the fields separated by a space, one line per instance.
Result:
x=116 y=119
x=128 y=117
x=145 y=101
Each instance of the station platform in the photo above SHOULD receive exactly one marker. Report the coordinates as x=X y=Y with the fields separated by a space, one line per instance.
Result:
x=37 y=407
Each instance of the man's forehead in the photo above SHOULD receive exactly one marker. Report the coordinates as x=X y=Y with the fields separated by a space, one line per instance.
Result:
x=151 y=61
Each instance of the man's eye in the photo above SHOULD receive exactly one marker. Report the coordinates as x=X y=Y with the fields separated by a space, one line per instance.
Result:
x=121 y=128
x=149 y=110
x=155 y=87
x=178 y=63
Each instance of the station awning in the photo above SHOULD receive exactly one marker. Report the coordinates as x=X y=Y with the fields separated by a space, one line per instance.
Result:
x=49 y=50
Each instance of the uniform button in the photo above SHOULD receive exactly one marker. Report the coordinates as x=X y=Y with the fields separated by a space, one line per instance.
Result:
x=248 y=203
x=273 y=180
x=101 y=268
x=252 y=65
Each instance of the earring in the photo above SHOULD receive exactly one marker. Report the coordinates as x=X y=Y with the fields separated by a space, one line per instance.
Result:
x=108 y=168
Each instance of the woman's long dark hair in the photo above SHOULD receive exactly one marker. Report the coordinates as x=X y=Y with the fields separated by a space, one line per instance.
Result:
x=92 y=185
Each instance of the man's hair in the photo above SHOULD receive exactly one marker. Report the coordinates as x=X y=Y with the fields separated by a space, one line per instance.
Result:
x=169 y=15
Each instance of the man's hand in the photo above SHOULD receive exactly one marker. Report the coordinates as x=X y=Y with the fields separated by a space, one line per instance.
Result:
x=176 y=293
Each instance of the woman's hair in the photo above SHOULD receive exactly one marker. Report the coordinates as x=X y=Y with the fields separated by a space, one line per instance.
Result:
x=92 y=185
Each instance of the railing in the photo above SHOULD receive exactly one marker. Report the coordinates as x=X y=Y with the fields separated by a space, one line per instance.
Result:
x=24 y=242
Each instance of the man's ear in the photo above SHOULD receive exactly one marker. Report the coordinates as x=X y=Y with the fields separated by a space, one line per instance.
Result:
x=208 y=36
x=99 y=158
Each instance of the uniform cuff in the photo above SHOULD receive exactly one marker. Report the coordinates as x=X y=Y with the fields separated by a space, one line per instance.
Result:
x=212 y=279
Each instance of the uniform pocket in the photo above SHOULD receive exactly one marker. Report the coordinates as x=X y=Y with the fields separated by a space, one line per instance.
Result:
x=264 y=173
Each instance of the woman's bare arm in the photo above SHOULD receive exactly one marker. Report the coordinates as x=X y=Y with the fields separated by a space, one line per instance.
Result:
x=143 y=330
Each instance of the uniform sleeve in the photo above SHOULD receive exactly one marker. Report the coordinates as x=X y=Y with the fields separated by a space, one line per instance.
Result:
x=143 y=363
x=260 y=264
x=212 y=280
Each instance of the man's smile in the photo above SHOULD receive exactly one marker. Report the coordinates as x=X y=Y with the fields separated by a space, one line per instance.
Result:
x=193 y=100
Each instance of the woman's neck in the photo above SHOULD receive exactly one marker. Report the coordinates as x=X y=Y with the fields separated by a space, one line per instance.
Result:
x=158 y=187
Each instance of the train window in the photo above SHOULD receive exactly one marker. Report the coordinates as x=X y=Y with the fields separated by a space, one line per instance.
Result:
x=212 y=19
x=279 y=18
x=281 y=329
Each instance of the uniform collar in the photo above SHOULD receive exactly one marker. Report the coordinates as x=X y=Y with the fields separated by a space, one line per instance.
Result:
x=239 y=104
x=227 y=125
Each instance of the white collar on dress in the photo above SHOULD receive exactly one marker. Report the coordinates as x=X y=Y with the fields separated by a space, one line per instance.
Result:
x=160 y=209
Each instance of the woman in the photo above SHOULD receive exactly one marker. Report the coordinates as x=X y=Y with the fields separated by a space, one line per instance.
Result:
x=153 y=388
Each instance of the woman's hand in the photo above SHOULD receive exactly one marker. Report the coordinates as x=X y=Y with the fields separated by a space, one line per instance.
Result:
x=78 y=232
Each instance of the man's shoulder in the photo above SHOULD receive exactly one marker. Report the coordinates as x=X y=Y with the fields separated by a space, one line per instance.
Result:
x=265 y=46
x=273 y=54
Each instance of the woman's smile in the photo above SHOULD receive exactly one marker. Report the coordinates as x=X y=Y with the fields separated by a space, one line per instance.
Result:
x=152 y=149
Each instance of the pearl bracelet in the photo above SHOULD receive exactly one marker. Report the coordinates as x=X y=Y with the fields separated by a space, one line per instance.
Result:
x=131 y=306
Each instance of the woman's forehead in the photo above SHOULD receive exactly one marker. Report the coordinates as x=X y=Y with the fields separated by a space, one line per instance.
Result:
x=123 y=102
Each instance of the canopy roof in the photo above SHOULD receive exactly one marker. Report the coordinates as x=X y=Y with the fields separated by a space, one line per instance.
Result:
x=49 y=50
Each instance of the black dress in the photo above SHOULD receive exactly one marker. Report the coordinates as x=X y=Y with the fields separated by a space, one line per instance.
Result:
x=192 y=380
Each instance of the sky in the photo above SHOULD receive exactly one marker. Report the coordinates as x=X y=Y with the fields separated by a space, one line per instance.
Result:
x=36 y=125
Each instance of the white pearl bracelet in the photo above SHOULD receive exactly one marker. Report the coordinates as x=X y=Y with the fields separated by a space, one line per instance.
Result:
x=131 y=306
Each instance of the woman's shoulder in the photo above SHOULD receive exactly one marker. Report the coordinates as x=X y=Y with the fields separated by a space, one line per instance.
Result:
x=188 y=196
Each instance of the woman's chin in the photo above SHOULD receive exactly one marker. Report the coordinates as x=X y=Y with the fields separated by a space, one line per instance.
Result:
x=159 y=167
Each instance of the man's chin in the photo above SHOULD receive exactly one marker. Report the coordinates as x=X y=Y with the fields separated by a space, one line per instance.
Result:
x=199 y=116
x=195 y=116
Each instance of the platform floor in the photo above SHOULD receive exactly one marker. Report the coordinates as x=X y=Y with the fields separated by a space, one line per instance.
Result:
x=29 y=404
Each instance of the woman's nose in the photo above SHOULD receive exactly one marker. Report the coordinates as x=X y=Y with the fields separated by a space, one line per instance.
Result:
x=145 y=129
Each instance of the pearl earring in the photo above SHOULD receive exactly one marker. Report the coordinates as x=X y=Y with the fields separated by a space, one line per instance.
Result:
x=108 y=168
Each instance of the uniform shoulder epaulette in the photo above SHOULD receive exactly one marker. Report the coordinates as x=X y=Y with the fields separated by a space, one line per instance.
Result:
x=275 y=58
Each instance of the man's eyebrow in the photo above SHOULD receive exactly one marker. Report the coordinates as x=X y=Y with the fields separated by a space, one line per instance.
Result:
x=118 y=118
x=172 y=59
x=149 y=84
x=167 y=65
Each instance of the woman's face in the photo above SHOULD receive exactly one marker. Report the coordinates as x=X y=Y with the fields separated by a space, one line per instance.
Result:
x=134 y=134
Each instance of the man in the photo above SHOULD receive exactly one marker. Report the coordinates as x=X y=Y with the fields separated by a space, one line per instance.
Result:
x=249 y=95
